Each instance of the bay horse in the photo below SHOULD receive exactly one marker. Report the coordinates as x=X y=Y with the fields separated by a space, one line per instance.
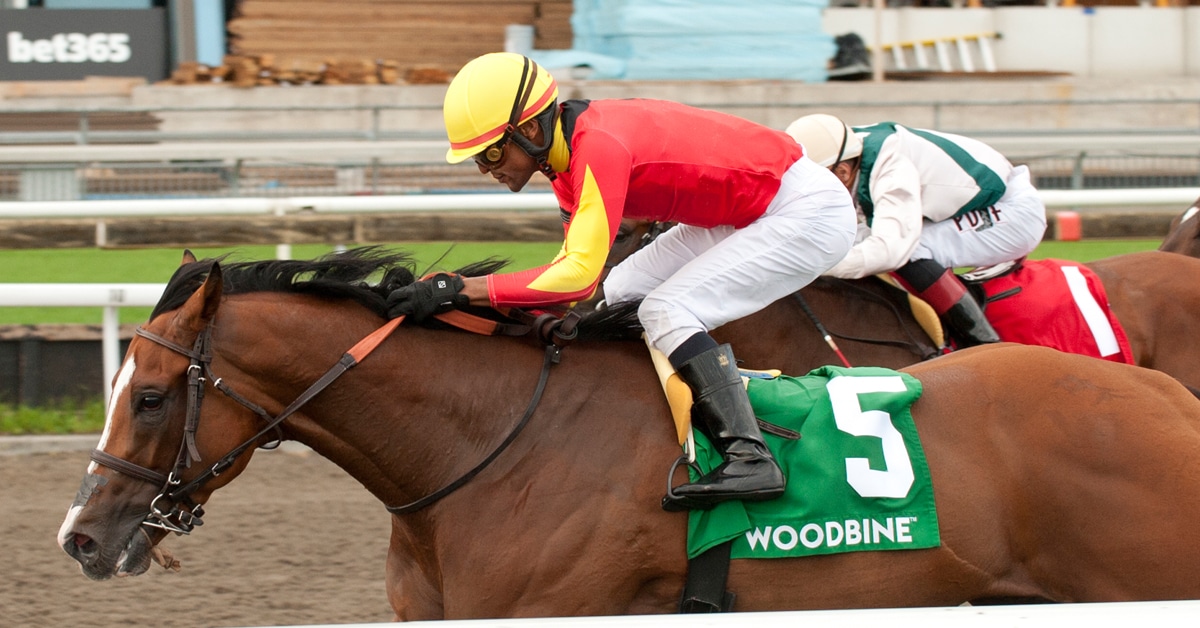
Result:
x=1057 y=477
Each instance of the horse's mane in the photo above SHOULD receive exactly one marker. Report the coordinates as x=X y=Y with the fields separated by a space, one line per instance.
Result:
x=365 y=275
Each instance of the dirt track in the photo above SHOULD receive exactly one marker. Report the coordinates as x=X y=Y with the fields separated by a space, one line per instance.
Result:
x=293 y=540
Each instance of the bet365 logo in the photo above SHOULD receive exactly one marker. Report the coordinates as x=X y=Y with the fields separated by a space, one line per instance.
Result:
x=69 y=48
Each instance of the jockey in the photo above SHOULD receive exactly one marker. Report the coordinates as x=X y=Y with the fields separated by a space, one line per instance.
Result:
x=928 y=202
x=758 y=221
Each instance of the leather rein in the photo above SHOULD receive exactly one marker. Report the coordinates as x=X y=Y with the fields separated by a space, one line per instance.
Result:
x=174 y=510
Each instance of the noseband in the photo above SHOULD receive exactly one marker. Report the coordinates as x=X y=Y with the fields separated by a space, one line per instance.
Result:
x=173 y=509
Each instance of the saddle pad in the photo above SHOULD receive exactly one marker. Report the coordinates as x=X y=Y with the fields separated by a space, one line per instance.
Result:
x=857 y=479
x=1058 y=304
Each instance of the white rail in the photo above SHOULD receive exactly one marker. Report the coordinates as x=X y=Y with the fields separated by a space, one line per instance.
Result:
x=531 y=201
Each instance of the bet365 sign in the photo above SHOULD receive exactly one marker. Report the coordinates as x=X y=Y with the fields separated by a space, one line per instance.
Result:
x=65 y=44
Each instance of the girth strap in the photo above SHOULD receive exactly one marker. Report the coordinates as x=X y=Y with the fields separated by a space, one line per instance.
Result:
x=704 y=591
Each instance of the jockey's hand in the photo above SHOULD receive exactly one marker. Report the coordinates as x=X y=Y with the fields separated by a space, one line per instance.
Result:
x=424 y=298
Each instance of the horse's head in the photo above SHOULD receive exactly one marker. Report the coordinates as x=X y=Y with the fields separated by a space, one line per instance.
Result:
x=154 y=464
x=1184 y=235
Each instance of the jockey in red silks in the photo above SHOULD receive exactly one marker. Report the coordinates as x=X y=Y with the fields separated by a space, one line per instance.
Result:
x=757 y=221
x=928 y=202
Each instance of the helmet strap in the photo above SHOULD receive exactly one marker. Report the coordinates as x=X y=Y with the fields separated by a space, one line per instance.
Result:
x=541 y=154
x=842 y=149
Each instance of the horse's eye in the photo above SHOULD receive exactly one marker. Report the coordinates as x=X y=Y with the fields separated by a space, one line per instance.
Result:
x=149 y=403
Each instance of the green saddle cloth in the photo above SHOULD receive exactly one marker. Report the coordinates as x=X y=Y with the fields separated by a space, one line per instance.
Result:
x=857 y=479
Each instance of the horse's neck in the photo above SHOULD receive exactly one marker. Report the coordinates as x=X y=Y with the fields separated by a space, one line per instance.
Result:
x=411 y=417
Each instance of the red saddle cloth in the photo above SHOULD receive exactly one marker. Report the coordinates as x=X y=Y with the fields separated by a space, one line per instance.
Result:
x=1059 y=304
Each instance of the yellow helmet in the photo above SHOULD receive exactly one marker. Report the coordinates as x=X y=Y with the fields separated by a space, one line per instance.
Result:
x=490 y=97
x=825 y=138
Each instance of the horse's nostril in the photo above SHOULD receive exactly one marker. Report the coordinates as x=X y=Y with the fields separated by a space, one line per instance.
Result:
x=84 y=544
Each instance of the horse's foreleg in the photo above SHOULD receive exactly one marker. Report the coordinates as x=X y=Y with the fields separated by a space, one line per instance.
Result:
x=411 y=591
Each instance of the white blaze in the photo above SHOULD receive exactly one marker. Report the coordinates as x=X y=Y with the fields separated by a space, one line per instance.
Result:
x=123 y=378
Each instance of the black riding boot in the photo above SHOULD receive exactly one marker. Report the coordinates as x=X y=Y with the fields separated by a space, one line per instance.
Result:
x=944 y=291
x=968 y=325
x=723 y=408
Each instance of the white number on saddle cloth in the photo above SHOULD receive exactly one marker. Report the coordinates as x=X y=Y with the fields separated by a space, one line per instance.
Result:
x=897 y=478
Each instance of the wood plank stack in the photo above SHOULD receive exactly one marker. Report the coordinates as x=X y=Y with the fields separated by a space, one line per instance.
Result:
x=415 y=34
x=269 y=69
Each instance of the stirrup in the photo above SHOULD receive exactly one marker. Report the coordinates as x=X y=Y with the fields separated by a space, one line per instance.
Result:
x=674 y=502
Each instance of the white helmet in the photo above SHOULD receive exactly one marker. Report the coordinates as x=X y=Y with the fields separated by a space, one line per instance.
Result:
x=826 y=139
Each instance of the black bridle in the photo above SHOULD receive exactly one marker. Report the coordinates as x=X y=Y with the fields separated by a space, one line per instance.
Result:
x=174 y=510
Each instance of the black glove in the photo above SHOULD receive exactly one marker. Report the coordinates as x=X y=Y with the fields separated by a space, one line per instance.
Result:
x=426 y=297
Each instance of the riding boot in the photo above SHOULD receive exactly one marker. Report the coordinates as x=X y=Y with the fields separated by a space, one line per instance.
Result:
x=722 y=406
x=959 y=311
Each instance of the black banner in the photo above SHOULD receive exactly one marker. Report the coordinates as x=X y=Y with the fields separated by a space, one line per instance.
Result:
x=70 y=44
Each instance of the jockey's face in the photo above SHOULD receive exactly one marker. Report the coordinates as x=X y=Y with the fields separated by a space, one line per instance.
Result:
x=514 y=166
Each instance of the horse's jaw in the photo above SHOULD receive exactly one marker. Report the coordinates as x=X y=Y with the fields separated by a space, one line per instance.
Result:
x=108 y=544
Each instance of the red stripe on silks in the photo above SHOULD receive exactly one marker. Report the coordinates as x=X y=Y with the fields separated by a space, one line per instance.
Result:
x=368 y=344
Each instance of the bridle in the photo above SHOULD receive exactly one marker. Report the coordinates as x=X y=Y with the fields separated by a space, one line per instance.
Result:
x=174 y=510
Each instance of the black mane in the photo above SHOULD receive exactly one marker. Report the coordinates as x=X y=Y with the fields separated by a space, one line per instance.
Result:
x=365 y=275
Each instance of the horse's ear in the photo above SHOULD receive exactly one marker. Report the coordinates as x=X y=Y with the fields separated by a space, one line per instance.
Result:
x=188 y=257
x=201 y=307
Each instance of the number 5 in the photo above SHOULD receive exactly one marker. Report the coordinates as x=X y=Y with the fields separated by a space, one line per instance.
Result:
x=897 y=478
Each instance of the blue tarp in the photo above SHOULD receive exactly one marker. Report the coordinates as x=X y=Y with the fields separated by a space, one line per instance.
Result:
x=698 y=39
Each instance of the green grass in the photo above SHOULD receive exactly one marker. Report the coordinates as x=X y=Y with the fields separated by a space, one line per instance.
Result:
x=65 y=418
x=1088 y=250
x=156 y=266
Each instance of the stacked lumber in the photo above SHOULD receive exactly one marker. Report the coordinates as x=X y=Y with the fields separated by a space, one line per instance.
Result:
x=418 y=35
x=268 y=69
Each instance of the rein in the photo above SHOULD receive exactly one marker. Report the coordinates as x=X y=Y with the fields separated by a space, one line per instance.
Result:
x=553 y=331
x=174 y=492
